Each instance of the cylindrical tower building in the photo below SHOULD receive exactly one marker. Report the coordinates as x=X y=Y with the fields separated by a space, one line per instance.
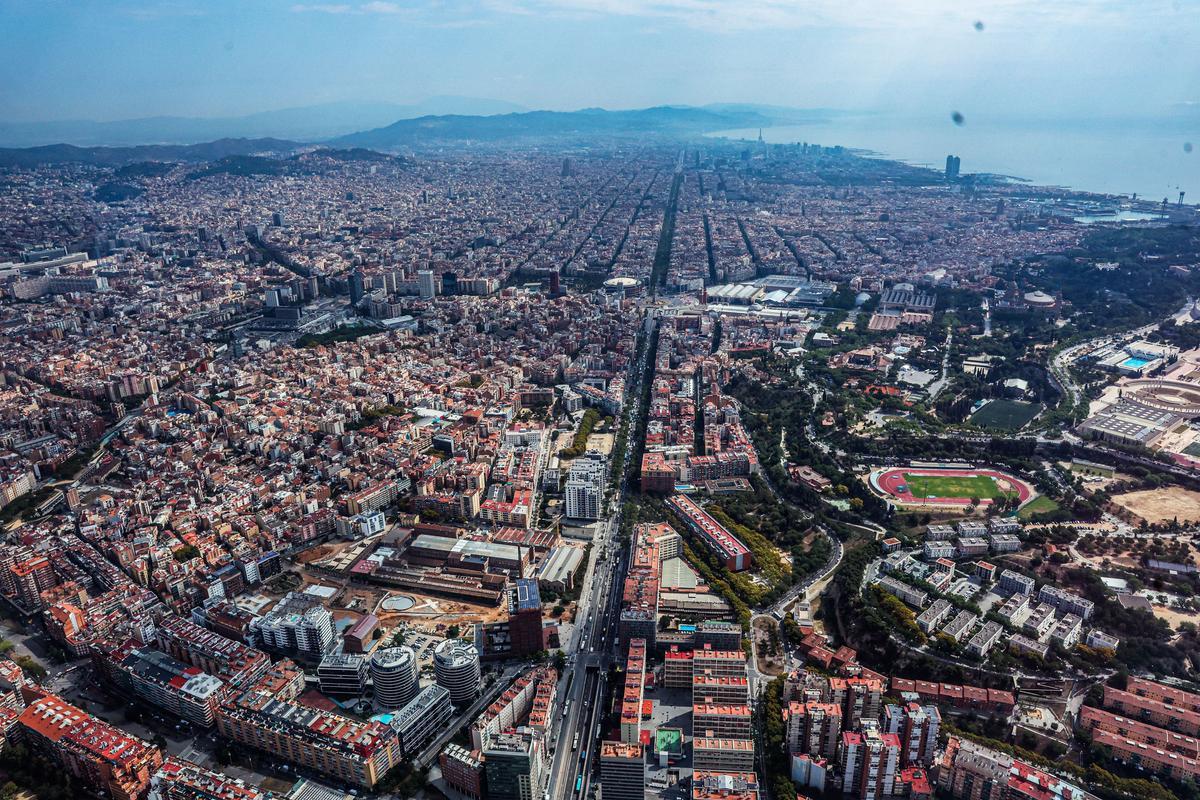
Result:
x=394 y=675
x=456 y=669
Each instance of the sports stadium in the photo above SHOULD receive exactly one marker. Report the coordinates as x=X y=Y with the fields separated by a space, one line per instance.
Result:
x=947 y=486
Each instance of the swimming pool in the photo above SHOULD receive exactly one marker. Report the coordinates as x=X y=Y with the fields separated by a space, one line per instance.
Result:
x=1133 y=362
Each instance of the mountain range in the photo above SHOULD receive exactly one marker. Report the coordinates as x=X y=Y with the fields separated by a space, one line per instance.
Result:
x=405 y=133
x=588 y=121
x=304 y=123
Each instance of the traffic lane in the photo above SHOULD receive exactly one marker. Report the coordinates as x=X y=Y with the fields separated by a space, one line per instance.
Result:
x=567 y=754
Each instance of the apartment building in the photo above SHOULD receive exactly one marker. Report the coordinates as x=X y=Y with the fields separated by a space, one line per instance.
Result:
x=731 y=721
x=961 y=626
x=622 y=771
x=1147 y=702
x=516 y=766
x=230 y=661
x=969 y=771
x=1019 y=643
x=640 y=592
x=422 y=719
x=917 y=727
x=1040 y=620
x=1016 y=582
x=677 y=668
x=1147 y=757
x=1067 y=631
x=732 y=552
x=1094 y=719
x=462 y=770
x=716 y=634
x=985 y=638
x=298 y=626
x=177 y=779
x=1066 y=601
x=182 y=690
x=714 y=689
x=355 y=752
x=532 y=692
x=933 y=550
x=725 y=785
x=97 y=755
x=719 y=663
x=929 y=619
x=870 y=763
x=722 y=755
x=585 y=487
x=633 y=692
x=914 y=597
x=813 y=728
x=860 y=699
x=1167 y=695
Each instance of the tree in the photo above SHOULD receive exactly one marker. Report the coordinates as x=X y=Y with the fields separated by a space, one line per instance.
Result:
x=186 y=553
x=31 y=668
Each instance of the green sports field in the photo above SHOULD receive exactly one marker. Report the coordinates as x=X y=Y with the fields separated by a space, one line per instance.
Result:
x=958 y=486
x=1006 y=415
x=1038 y=505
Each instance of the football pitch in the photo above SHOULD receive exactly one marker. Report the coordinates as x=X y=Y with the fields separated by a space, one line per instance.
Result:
x=953 y=486
x=1006 y=415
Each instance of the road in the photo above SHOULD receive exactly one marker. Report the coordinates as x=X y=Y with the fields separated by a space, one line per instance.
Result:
x=806 y=586
x=1060 y=364
x=593 y=646
x=936 y=387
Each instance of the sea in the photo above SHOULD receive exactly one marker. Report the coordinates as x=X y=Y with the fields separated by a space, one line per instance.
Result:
x=1155 y=159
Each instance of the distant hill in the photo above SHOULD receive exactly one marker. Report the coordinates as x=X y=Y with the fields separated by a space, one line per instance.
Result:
x=121 y=156
x=138 y=160
x=532 y=124
x=244 y=166
x=305 y=123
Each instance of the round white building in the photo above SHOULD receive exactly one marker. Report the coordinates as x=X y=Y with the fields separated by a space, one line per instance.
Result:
x=394 y=675
x=456 y=669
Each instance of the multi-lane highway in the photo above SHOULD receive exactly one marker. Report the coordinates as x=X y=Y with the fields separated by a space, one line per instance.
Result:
x=580 y=713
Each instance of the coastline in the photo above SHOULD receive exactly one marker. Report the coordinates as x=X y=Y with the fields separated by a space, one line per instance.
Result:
x=1121 y=163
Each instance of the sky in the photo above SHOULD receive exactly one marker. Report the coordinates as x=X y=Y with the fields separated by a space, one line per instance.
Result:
x=87 y=59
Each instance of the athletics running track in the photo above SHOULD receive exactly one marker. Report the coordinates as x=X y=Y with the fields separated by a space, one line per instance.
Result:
x=892 y=484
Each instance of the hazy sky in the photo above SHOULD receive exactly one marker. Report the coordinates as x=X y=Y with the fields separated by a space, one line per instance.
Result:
x=73 y=59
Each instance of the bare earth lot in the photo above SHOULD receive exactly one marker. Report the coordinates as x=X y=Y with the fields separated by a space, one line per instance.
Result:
x=1162 y=505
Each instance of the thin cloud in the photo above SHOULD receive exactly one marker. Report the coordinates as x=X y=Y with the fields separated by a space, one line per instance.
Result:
x=380 y=7
x=375 y=7
x=735 y=15
x=160 y=11
x=322 y=8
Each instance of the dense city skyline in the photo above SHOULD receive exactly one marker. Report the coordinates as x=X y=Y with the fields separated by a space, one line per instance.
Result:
x=368 y=431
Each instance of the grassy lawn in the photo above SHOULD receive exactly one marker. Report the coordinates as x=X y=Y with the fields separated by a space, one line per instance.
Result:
x=1038 y=505
x=1005 y=415
x=963 y=486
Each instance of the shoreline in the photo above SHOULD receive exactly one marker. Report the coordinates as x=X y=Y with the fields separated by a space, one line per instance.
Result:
x=829 y=135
